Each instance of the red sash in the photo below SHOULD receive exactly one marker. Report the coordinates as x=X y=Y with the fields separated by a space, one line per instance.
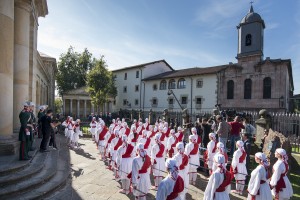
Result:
x=128 y=151
x=146 y=145
x=103 y=133
x=180 y=137
x=136 y=136
x=199 y=140
x=119 y=143
x=225 y=183
x=243 y=157
x=167 y=132
x=161 y=151
x=93 y=125
x=152 y=134
x=195 y=150
x=175 y=142
x=178 y=187
x=127 y=131
x=146 y=165
x=112 y=136
x=147 y=127
x=226 y=157
x=185 y=161
x=280 y=183
x=141 y=131
x=162 y=137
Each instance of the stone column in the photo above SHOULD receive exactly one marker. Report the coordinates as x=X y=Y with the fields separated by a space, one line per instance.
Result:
x=84 y=112
x=7 y=145
x=78 y=108
x=93 y=108
x=21 y=57
x=64 y=106
x=71 y=107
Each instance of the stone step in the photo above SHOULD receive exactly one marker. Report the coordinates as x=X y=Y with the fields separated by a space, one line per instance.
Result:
x=34 y=167
x=58 y=181
x=48 y=171
x=11 y=164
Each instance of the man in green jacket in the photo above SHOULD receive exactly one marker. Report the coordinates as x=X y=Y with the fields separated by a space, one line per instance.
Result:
x=24 y=133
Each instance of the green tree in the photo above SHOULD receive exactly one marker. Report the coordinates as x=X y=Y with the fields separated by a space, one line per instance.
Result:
x=58 y=105
x=72 y=69
x=100 y=82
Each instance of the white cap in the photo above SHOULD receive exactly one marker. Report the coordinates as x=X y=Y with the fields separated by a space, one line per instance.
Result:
x=172 y=131
x=180 y=145
x=116 y=132
x=125 y=124
x=25 y=104
x=146 y=120
x=219 y=158
x=171 y=164
x=133 y=127
x=281 y=151
x=140 y=146
x=220 y=145
x=240 y=143
x=144 y=132
x=157 y=136
x=77 y=120
x=192 y=138
x=213 y=135
x=179 y=128
x=124 y=138
x=194 y=130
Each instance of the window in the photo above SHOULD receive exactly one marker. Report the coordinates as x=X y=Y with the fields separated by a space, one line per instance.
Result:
x=198 y=101
x=183 y=100
x=136 y=102
x=114 y=77
x=247 y=89
x=248 y=39
x=154 y=87
x=124 y=102
x=125 y=76
x=172 y=84
x=154 y=101
x=181 y=83
x=137 y=74
x=137 y=88
x=114 y=102
x=199 y=83
x=230 y=89
x=171 y=101
x=163 y=85
x=125 y=89
x=267 y=88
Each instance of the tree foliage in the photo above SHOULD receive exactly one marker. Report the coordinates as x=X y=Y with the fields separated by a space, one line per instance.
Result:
x=100 y=82
x=72 y=70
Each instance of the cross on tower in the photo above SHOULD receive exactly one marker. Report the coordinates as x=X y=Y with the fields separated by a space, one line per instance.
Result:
x=251 y=2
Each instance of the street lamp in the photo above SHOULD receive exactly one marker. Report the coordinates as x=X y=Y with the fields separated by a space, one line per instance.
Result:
x=171 y=92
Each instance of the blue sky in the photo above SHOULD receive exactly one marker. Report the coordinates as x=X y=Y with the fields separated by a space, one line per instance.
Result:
x=187 y=33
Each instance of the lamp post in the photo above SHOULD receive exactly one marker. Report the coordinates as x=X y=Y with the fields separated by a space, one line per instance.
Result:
x=171 y=92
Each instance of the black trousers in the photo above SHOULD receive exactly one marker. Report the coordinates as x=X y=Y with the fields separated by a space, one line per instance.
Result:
x=52 y=140
x=46 y=136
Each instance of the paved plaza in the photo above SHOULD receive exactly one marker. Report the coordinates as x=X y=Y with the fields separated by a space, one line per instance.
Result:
x=91 y=180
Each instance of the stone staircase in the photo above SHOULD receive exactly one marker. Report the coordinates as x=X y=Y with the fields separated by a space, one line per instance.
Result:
x=36 y=178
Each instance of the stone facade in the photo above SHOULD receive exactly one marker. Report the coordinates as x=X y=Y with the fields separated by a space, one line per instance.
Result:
x=25 y=74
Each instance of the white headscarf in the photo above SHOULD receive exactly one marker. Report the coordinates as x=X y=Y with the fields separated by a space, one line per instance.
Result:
x=283 y=154
x=240 y=145
x=263 y=159
x=220 y=161
x=180 y=147
x=140 y=150
x=171 y=165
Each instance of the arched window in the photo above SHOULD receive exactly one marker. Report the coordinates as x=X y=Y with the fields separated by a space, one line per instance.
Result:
x=248 y=40
x=163 y=85
x=267 y=88
x=247 y=89
x=230 y=89
x=172 y=84
x=181 y=83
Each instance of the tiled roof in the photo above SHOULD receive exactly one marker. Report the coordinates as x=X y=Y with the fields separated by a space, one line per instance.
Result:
x=188 y=72
x=142 y=65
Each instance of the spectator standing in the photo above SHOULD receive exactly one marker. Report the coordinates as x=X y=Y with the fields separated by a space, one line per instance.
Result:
x=223 y=130
x=236 y=127
x=47 y=128
x=205 y=133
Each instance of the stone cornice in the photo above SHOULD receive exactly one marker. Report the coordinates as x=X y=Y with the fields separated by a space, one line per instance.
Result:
x=24 y=4
x=41 y=7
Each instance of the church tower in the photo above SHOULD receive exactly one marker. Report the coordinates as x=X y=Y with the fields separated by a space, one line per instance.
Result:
x=251 y=36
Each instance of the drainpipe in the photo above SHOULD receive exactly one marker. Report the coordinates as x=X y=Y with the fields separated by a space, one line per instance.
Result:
x=191 y=97
x=141 y=75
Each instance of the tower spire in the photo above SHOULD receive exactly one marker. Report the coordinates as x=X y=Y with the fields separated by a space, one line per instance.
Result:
x=251 y=7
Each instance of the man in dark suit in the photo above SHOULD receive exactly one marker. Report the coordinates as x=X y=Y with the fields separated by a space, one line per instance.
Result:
x=247 y=147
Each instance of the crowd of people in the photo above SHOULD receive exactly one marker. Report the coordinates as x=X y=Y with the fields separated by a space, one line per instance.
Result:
x=134 y=152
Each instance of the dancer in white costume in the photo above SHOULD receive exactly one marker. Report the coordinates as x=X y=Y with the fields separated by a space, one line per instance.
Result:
x=210 y=151
x=171 y=144
x=103 y=131
x=158 y=160
x=220 y=150
x=77 y=132
x=238 y=167
x=173 y=185
x=180 y=134
x=192 y=151
x=125 y=155
x=93 y=126
x=133 y=136
x=282 y=188
x=218 y=186
x=183 y=167
x=141 y=173
x=146 y=142
x=115 y=144
x=258 y=187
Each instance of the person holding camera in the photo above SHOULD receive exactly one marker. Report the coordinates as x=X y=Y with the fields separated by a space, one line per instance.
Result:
x=236 y=127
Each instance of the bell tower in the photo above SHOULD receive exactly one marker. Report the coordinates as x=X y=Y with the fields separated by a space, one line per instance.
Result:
x=251 y=36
